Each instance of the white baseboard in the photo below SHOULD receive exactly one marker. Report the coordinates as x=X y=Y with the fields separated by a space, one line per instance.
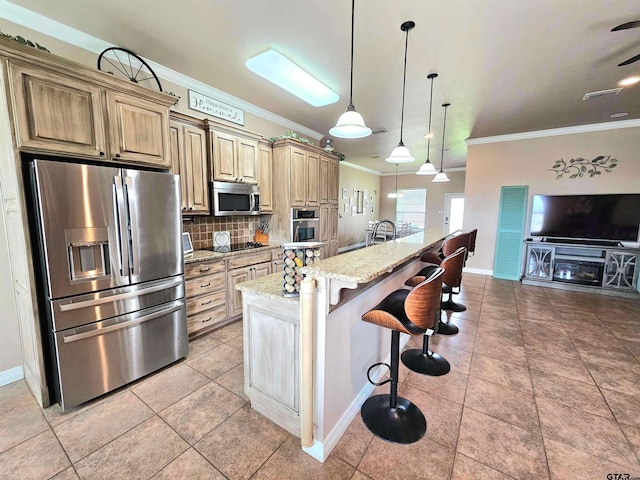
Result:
x=11 y=375
x=479 y=271
x=321 y=450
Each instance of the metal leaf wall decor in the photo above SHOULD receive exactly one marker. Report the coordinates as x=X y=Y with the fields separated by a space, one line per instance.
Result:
x=581 y=167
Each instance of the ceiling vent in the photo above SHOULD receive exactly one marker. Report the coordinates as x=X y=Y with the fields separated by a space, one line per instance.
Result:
x=376 y=131
x=602 y=93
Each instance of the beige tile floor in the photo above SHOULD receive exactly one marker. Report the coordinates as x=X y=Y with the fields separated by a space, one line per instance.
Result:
x=544 y=384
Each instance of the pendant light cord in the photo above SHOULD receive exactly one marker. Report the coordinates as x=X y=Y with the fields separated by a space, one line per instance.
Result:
x=396 y=180
x=404 y=83
x=353 y=10
x=444 y=127
x=429 y=132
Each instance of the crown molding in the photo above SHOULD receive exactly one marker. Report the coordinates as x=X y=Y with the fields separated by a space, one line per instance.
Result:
x=553 y=132
x=47 y=26
x=358 y=167
x=400 y=174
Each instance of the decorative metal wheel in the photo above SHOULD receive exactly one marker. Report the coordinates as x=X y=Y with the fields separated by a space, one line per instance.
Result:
x=123 y=63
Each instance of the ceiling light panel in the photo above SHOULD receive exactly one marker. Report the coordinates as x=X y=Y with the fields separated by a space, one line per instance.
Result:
x=278 y=69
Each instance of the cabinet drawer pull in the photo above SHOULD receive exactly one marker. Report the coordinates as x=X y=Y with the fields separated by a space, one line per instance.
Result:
x=206 y=303
x=117 y=155
x=207 y=320
x=208 y=284
x=102 y=154
x=205 y=269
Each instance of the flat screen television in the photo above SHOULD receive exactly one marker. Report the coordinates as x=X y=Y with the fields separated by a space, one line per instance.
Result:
x=595 y=217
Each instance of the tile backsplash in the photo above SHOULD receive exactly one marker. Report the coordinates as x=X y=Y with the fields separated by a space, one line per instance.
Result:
x=201 y=229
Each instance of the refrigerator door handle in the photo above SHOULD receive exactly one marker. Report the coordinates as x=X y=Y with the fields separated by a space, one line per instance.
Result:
x=135 y=238
x=119 y=326
x=121 y=225
x=120 y=296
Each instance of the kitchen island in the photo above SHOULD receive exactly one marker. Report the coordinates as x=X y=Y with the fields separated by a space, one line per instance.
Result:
x=306 y=358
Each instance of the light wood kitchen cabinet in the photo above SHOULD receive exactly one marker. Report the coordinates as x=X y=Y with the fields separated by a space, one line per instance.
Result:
x=189 y=159
x=334 y=180
x=329 y=179
x=296 y=183
x=324 y=224
x=138 y=130
x=206 y=296
x=241 y=268
x=41 y=96
x=130 y=129
x=305 y=169
x=247 y=158
x=264 y=169
x=324 y=180
x=334 y=214
x=234 y=154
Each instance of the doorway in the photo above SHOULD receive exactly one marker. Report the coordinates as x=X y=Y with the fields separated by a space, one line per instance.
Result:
x=453 y=212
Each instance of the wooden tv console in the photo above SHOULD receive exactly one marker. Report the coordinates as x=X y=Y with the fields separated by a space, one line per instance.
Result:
x=598 y=266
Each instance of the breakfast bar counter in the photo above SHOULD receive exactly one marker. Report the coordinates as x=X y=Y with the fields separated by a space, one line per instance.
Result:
x=306 y=358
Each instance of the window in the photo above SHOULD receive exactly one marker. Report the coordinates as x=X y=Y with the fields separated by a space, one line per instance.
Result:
x=412 y=207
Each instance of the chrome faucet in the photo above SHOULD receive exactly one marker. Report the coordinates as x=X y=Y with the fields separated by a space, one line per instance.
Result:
x=375 y=229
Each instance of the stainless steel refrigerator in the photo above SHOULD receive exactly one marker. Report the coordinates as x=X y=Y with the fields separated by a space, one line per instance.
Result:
x=112 y=284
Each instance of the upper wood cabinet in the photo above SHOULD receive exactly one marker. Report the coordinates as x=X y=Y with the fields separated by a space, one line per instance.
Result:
x=247 y=159
x=97 y=122
x=39 y=99
x=324 y=180
x=189 y=159
x=138 y=130
x=329 y=179
x=234 y=154
x=334 y=180
x=264 y=169
x=305 y=168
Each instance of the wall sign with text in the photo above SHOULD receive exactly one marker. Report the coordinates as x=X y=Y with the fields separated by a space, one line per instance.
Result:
x=216 y=108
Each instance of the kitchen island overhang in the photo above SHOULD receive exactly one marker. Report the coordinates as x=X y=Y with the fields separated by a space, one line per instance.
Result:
x=306 y=359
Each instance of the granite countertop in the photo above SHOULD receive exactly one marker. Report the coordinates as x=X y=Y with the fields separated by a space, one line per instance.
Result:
x=359 y=266
x=367 y=264
x=269 y=286
x=202 y=255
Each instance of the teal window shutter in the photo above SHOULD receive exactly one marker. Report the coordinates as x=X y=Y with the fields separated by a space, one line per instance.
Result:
x=513 y=212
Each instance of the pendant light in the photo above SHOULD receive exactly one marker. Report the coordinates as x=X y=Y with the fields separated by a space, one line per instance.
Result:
x=441 y=176
x=401 y=154
x=396 y=194
x=427 y=167
x=351 y=124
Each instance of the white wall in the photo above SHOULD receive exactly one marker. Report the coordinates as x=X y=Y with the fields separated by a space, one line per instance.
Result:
x=351 y=229
x=527 y=162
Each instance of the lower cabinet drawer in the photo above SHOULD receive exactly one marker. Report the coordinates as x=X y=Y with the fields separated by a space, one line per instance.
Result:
x=205 y=284
x=206 y=302
x=206 y=319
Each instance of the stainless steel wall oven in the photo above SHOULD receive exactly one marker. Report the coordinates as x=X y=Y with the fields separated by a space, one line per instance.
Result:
x=305 y=225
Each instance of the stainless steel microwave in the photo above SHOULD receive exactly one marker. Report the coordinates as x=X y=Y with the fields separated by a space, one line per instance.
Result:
x=234 y=199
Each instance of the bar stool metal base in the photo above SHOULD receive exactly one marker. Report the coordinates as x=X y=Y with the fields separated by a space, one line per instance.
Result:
x=403 y=424
x=447 y=329
x=452 y=306
x=426 y=363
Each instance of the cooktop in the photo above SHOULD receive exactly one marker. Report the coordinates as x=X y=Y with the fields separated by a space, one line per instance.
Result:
x=234 y=247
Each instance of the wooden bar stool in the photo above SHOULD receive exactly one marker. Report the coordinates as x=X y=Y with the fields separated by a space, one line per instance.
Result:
x=422 y=360
x=472 y=242
x=388 y=416
x=452 y=279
